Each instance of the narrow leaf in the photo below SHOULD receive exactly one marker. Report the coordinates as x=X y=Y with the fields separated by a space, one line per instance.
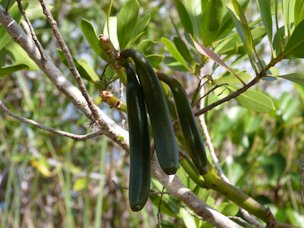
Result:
x=155 y=59
x=184 y=16
x=298 y=12
x=110 y=30
x=183 y=49
x=7 y=70
x=126 y=19
x=297 y=77
x=174 y=52
x=265 y=10
x=242 y=27
x=20 y=56
x=255 y=100
x=92 y=38
x=212 y=55
x=140 y=26
x=295 y=45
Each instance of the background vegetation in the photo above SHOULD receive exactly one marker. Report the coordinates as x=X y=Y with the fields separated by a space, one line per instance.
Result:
x=48 y=180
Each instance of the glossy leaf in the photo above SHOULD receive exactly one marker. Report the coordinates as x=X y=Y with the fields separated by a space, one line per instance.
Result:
x=184 y=16
x=174 y=52
x=295 y=45
x=211 y=20
x=110 y=31
x=255 y=100
x=141 y=24
x=7 y=70
x=183 y=49
x=155 y=59
x=241 y=25
x=92 y=38
x=233 y=44
x=297 y=77
x=265 y=10
x=126 y=19
x=298 y=12
x=231 y=80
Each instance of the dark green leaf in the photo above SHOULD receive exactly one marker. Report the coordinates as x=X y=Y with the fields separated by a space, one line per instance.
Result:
x=174 y=52
x=211 y=20
x=141 y=24
x=183 y=49
x=126 y=21
x=7 y=70
x=295 y=45
x=184 y=16
x=92 y=38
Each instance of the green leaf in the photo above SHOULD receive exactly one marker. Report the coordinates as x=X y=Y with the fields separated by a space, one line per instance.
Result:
x=7 y=70
x=126 y=19
x=184 y=16
x=265 y=10
x=140 y=26
x=84 y=68
x=298 y=12
x=183 y=49
x=110 y=30
x=5 y=38
x=188 y=219
x=295 y=45
x=231 y=80
x=241 y=25
x=174 y=52
x=233 y=44
x=146 y=46
x=255 y=100
x=92 y=38
x=229 y=209
x=211 y=20
x=20 y=56
x=155 y=59
x=288 y=13
x=297 y=77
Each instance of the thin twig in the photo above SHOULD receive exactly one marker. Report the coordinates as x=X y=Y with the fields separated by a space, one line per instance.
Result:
x=4 y=109
x=70 y=61
x=249 y=218
x=31 y=29
x=210 y=91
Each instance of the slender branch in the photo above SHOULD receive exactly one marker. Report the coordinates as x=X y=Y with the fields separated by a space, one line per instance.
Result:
x=107 y=125
x=176 y=188
x=70 y=60
x=229 y=97
x=31 y=29
x=4 y=109
x=109 y=128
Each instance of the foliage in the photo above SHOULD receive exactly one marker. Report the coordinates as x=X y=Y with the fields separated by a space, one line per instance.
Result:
x=258 y=136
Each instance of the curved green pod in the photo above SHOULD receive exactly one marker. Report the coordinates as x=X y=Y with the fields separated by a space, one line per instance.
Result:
x=140 y=174
x=163 y=133
x=194 y=143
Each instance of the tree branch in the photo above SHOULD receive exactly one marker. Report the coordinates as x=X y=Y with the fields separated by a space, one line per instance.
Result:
x=107 y=125
x=49 y=129
x=109 y=128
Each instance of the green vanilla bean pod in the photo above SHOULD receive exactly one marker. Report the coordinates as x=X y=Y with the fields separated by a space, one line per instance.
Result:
x=140 y=174
x=163 y=133
x=191 y=133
